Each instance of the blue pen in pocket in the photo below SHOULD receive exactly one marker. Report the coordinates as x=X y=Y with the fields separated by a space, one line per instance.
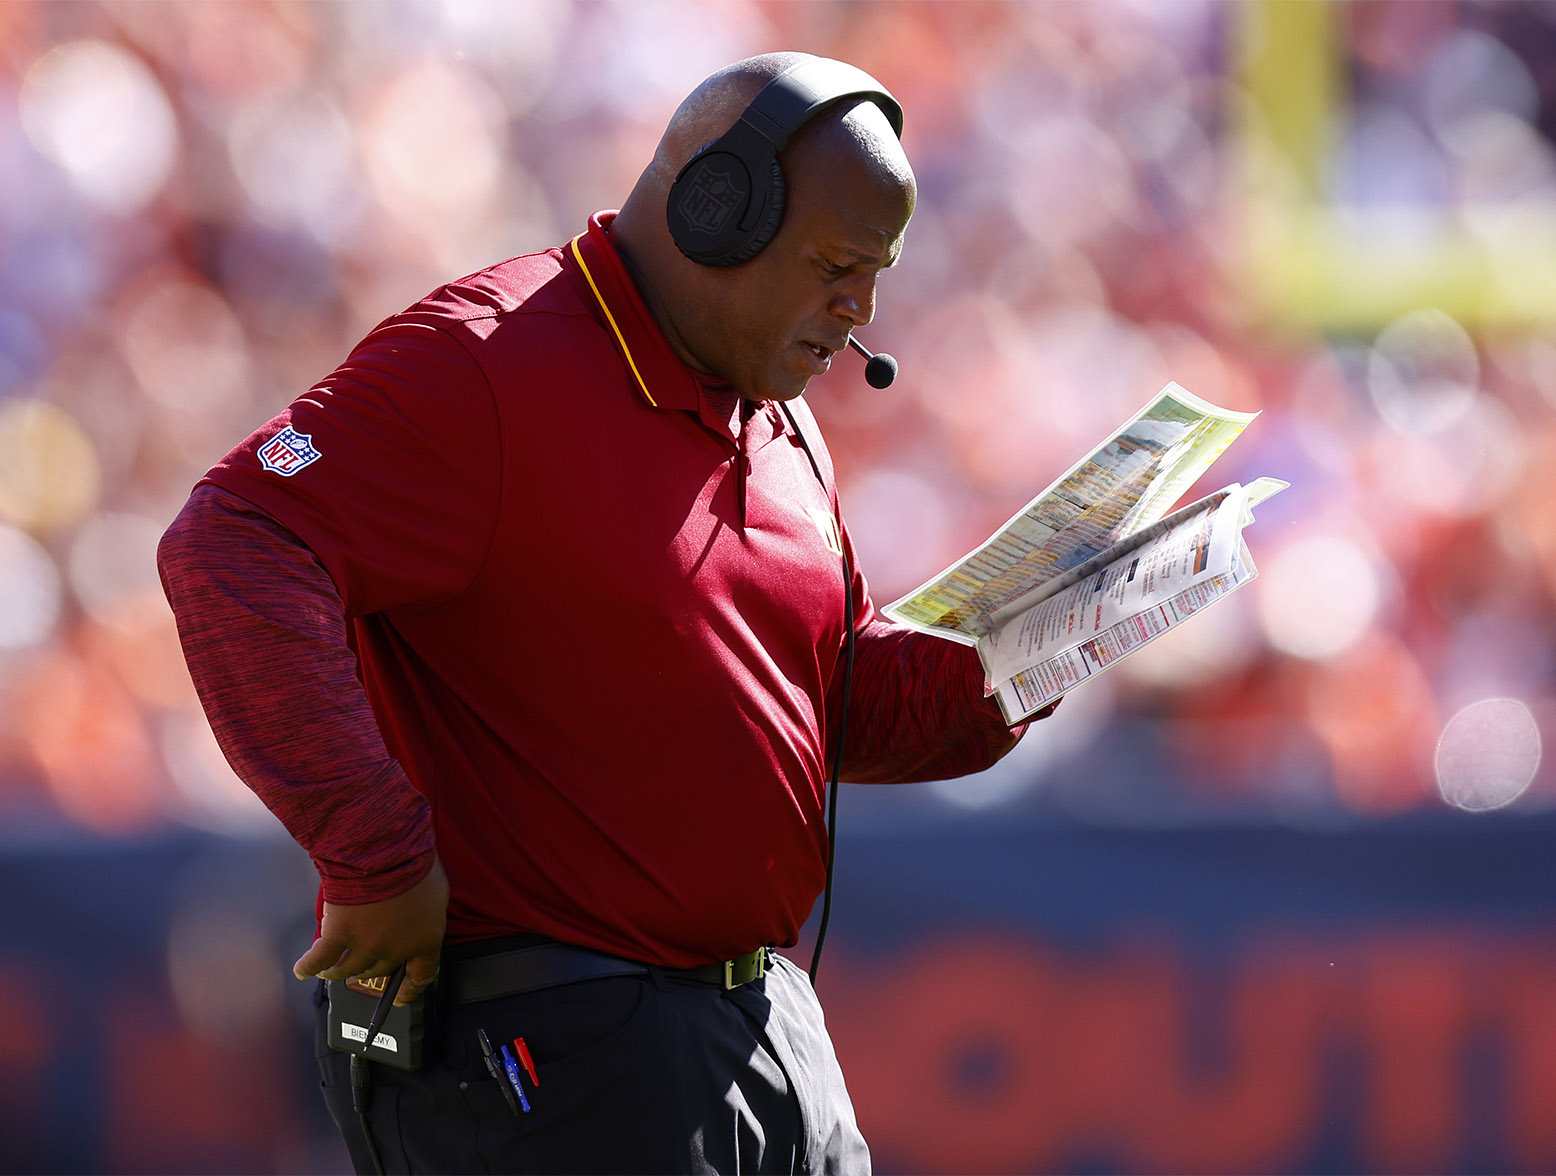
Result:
x=511 y=1064
x=496 y=1071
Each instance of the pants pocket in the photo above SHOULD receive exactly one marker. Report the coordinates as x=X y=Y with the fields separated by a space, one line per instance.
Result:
x=561 y=1026
x=602 y=1097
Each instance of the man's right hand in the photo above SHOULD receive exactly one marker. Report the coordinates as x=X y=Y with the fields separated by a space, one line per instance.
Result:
x=374 y=938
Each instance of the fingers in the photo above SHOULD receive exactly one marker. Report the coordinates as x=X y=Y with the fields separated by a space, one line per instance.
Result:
x=324 y=953
x=329 y=959
x=419 y=975
x=357 y=965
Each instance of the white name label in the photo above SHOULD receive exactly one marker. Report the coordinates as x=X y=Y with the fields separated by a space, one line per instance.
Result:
x=359 y=1033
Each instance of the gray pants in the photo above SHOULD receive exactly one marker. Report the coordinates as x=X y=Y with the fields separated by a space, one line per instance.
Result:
x=636 y=1075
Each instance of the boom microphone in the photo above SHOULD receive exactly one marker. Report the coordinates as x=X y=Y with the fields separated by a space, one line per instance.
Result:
x=881 y=369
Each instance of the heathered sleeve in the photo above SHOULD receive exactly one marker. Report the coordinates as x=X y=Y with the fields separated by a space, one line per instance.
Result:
x=263 y=629
x=917 y=709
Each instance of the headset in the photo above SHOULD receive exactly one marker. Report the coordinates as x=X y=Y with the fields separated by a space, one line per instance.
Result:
x=727 y=202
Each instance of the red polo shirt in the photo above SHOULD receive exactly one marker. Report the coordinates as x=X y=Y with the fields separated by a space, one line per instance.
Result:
x=598 y=616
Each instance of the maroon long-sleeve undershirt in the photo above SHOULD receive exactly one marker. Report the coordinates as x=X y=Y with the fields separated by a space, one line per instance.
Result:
x=264 y=632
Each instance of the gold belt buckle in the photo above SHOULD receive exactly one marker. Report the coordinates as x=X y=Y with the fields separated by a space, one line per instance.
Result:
x=752 y=967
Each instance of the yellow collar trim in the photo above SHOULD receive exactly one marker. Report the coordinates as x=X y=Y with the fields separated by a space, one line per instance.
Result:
x=611 y=319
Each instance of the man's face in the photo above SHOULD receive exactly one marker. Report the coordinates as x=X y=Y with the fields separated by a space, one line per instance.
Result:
x=771 y=324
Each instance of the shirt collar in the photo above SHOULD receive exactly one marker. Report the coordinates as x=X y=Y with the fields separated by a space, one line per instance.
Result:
x=661 y=376
x=662 y=379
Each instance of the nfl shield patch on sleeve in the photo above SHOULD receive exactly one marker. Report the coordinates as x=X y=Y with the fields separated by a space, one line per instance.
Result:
x=287 y=452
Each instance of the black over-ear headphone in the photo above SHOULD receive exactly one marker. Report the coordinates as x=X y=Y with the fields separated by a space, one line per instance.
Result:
x=727 y=203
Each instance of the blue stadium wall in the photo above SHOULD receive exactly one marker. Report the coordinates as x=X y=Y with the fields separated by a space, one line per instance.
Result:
x=1032 y=997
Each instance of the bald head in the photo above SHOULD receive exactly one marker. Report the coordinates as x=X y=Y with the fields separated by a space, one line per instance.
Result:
x=712 y=108
x=850 y=193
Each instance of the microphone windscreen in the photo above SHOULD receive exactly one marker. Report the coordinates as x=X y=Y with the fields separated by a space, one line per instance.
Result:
x=881 y=370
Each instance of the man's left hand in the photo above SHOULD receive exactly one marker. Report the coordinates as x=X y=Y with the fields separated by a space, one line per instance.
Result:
x=369 y=939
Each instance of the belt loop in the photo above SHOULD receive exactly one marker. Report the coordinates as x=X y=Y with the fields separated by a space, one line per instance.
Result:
x=657 y=975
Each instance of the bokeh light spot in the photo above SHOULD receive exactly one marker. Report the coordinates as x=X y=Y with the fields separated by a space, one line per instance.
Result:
x=184 y=344
x=1318 y=596
x=431 y=145
x=100 y=114
x=49 y=476
x=293 y=159
x=114 y=558
x=1423 y=372
x=904 y=521
x=1487 y=755
x=29 y=590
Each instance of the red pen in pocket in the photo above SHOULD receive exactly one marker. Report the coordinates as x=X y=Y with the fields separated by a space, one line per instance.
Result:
x=527 y=1061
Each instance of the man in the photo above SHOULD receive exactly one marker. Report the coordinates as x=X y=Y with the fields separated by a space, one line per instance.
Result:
x=529 y=623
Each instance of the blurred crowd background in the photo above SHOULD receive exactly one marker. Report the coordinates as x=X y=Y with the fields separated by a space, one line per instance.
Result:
x=1274 y=891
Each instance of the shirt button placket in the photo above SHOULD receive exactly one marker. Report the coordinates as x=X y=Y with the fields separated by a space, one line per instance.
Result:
x=742 y=461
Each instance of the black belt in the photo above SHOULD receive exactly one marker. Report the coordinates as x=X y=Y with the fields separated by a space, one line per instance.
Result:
x=548 y=965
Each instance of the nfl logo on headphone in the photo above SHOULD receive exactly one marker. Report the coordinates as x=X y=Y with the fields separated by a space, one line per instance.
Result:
x=710 y=199
x=727 y=201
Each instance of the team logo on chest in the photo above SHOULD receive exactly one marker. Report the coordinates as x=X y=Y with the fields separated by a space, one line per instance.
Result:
x=826 y=524
x=287 y=452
